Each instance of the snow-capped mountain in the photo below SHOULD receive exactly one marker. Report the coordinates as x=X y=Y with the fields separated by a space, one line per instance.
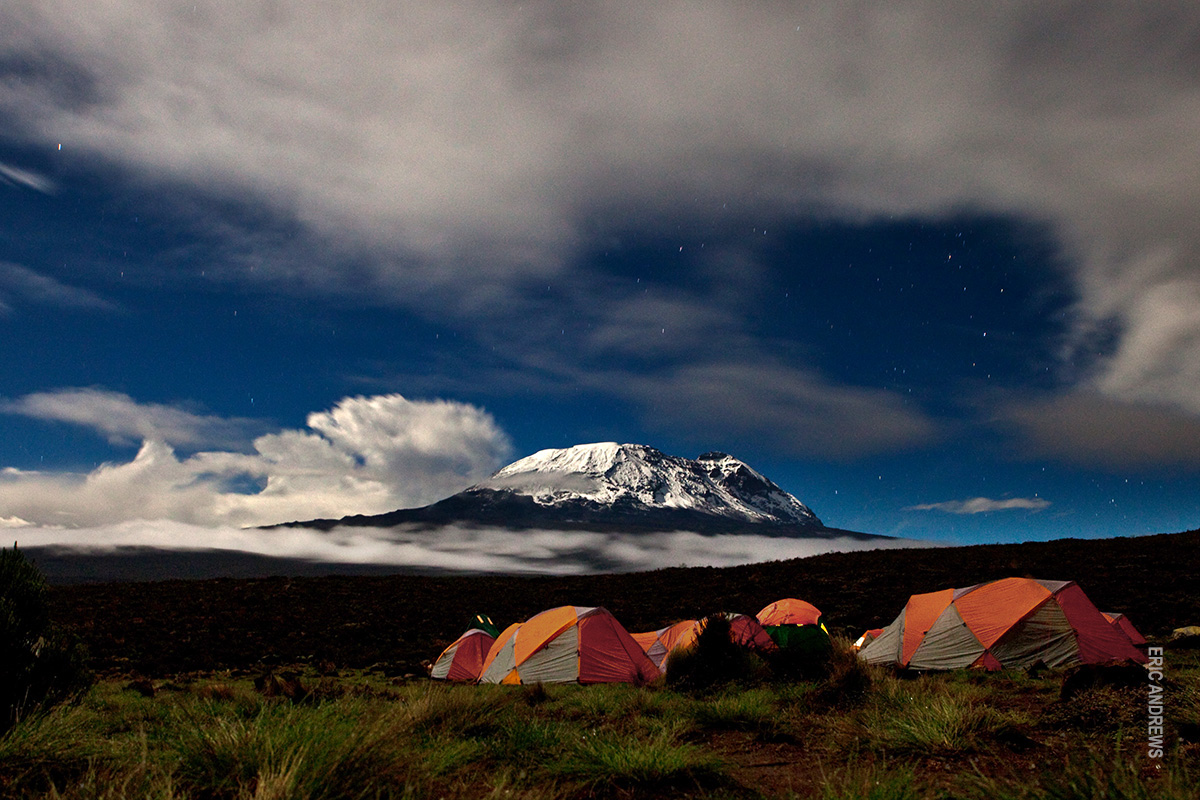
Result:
x=630 y=476
x=625 y=488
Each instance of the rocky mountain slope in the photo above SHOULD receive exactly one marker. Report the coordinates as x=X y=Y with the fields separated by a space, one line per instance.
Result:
x=609 y=486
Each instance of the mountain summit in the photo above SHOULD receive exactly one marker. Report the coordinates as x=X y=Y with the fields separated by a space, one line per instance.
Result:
x=634 y=476
x=624 y=488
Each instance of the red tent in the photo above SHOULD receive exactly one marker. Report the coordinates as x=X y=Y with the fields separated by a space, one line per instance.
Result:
x=1122 y=623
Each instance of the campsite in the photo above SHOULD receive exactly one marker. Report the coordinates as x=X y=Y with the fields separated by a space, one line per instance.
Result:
x=317 y=687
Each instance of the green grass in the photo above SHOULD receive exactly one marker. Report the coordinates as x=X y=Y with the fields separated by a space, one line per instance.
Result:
x=874 y=782
x=1107 y=775
x=954 y=735
x=932 y=716
x=603 y=758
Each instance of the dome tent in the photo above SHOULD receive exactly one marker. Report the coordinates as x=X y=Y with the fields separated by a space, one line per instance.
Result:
x=659 y=644
x=568 y=644
x=463 y=659
x=1122 y=623
x=867 y=637
x=484 y=623
x=796 y=626
x=744 y=630
x=1014 y=622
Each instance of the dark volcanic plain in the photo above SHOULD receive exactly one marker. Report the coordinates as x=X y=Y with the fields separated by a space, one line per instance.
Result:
x=393 y=623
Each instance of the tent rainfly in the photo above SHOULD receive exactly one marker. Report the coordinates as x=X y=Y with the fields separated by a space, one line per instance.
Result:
x=744 y=630
x=1014 y=622
x=659 y=644
x=866 y=638
x=1122 y=623
x=568 y=644
x=463 y=659
x=796 y=626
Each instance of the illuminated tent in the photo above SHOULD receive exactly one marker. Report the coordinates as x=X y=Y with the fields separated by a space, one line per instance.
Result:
x=867 y=638
x=463 y=659
x=1122 y=623
x=569 y=644
x=484 y=623
x=1014 y=622
x=743 y=630
x=796 y=626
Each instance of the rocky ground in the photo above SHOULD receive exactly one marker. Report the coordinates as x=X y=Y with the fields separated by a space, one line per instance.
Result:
x=395 y=622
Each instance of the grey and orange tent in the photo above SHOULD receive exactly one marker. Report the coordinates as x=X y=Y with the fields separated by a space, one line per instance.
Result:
x=463 y=659
x=867 y=637
x=568 y=644
x=658 y=644
x=744 y=630
x=796 y=626
x=1122 y=623
x=1014 y=622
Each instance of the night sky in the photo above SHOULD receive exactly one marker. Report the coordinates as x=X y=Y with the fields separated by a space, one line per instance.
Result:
x=933 y=269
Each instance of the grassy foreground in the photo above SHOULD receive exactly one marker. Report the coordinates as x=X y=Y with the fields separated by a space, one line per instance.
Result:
x=859 y=733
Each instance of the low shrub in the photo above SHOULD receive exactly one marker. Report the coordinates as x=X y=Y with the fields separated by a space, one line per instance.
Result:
x=713 y=660
x=39 y=666
x=847 y=679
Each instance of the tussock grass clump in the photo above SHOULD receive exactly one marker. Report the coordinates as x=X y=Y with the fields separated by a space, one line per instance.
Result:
x=340 y=749
x=847 y=679
x=44 y=749
x=872 y=782
x=1108 y=775
x=741 y=710
x=523 y=743
x=601 y=759
x=931 y=717
x=457 y=711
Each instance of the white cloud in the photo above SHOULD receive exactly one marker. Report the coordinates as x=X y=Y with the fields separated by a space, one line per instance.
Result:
x=1091 y=430
x=22 y=285
x=25 y=177
x=458 y=549
x=494 y=135
x=784 y=407
x=983 y=505
x=123 y=420
x=367 y=455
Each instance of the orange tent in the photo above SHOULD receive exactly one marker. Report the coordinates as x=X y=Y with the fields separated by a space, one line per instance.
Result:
x=1122 y=623
x=1014 y=622
x=659 y=644
x=743 y=630
x=569 y=644
x=796 y=627
x=789 y=611
x=463 y=659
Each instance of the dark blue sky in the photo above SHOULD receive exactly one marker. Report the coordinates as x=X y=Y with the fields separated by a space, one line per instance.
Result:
x=913 y=285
